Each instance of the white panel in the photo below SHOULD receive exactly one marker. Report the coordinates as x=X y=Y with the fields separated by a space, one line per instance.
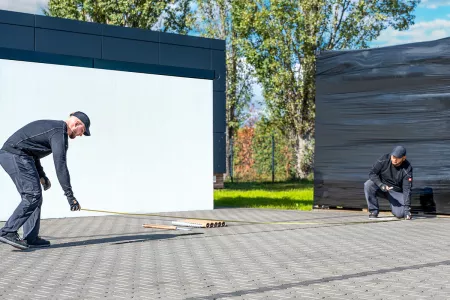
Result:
x=151 y=148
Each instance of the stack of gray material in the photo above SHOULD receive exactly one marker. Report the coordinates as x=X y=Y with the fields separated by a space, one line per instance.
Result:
x=369 y=101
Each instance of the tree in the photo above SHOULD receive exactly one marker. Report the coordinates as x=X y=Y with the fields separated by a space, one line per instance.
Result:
x=282 y=38
x=179 y=18
x=244 y=153
x=262 y=148
x=166 y=15
x=217 y=20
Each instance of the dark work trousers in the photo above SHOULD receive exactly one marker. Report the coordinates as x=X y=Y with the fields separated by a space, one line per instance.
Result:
x=23 y=173
x=372 y=192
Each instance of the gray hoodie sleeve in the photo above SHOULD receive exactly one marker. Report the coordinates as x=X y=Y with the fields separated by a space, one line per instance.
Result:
x=59 y=149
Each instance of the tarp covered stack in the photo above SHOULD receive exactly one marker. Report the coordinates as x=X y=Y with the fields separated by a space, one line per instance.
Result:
x=369 y=101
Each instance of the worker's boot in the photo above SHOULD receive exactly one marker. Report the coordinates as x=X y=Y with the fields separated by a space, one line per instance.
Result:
x=39 y=243
x=408 y=216
x=14 y=240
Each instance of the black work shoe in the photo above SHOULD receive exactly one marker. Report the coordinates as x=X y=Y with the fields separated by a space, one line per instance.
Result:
x=39 y=243
x=373 y=216
x=14 y=240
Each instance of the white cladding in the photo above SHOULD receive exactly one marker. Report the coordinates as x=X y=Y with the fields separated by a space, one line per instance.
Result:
x=151 y=148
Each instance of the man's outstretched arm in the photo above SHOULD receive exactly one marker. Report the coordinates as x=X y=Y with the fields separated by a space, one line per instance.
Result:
x=60 y=160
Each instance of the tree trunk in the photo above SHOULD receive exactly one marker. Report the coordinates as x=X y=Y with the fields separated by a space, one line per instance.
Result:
x=300 y=146
x=229 y=136
x=231 y=98
x=227 y=154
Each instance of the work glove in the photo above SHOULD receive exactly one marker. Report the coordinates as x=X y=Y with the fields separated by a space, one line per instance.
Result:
x=46 y=184
x=385 y=188
x=74 y=204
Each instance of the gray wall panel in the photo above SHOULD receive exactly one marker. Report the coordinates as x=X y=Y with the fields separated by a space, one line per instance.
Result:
x=219 y=108
x=17 y=37
x=130 y=33
x=130 y=50
x=181 y=56
x=61 y=42
x=218 y=44
x=219 y=65
x=184 y=40
x=219 y=153
x=16 y=18
x=68 y=25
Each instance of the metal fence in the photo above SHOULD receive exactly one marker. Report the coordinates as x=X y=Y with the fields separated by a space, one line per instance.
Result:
x=271 y=159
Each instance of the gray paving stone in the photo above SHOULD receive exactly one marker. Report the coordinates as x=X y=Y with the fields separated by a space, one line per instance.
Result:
x=113 y=257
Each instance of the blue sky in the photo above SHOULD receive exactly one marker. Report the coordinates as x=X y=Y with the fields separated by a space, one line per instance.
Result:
x=432 y=22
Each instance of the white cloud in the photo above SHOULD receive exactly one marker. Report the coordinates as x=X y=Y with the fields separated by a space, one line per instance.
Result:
x=25 y=6
x=419 y=32
x=433 y=4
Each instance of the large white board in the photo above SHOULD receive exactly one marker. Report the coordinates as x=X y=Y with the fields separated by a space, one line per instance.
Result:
x=151 y=148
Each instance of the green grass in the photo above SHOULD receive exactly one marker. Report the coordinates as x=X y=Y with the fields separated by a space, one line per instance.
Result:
x=279 y=195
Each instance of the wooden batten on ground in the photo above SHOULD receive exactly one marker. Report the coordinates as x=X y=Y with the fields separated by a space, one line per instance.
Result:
x=218 y=181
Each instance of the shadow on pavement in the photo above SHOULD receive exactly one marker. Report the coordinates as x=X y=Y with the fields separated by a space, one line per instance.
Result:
x=118 y=240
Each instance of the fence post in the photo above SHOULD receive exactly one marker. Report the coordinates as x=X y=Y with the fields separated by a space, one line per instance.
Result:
x=231 y=159
x=273 y=158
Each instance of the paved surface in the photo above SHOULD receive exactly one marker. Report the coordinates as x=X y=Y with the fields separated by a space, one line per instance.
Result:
x=113 y=257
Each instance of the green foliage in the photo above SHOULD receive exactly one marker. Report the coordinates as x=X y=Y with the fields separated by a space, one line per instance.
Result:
x=284 y=156
x=173 y=16
x=178 y=18
x=216 y=19
x=281 y=41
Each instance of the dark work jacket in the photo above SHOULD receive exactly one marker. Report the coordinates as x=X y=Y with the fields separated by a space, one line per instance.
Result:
x=39 y=139
x=399 y=178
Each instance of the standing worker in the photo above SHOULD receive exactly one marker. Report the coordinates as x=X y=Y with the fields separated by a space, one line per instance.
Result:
x=390 y=178
x=20 y=157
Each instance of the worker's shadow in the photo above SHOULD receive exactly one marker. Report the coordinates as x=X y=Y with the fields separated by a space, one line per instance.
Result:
x=423 y=201
x=119 y=240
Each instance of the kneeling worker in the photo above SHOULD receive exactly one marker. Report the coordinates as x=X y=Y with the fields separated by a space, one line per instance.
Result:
x=390 y=178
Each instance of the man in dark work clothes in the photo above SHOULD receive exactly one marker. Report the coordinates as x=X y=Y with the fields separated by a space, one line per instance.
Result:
x=390 y=178
x=20 y=157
